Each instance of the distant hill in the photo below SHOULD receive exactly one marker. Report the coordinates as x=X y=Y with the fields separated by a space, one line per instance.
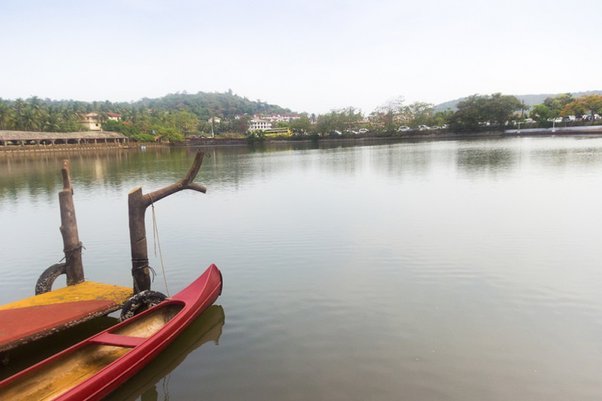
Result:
x=203 y=104
x=206 y=104
x=529 y=100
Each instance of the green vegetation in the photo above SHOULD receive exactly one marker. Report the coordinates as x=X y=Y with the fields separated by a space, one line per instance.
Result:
x=171 y=117
x=177 y=116
x=485 y=111
x=35 y=114
x=568 y=109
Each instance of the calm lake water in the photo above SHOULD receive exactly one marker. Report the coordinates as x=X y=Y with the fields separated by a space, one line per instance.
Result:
x=455 y=270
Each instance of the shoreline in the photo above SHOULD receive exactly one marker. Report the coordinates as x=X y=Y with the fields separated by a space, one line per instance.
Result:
x=217 y=142
x=591 y=131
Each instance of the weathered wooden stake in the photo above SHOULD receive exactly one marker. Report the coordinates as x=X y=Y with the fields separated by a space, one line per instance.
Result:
x=137 y=204
x=71 y=244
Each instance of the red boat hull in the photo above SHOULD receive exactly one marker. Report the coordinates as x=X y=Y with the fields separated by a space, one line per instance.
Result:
x=139 y=350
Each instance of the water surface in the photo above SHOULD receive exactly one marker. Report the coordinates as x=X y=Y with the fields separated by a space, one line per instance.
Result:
x=454 y=270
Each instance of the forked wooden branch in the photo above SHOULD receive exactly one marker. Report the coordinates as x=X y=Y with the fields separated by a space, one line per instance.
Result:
x=184 y=183
x=137 y=204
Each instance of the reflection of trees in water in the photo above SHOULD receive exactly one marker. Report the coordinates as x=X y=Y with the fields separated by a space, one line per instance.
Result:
x=506 y=156
x=577 y=156
x=37 y=176
x=399 y=160
x=415 y=159
x=486 y=159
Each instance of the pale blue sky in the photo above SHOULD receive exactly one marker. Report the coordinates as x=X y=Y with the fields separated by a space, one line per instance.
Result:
x=306 y=55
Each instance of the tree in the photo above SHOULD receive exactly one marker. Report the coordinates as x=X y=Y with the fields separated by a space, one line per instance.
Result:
x=7 y=116
x=241 y=124
x=557 y=103
x=502 y=107
x=301 y=124
x=470 y=112
x=186 y=122
x=541 y=113
x=591 y=104
x=417 y=113
x=489 y=110
x=441 y=118
x=339 y=120
x=388 y=116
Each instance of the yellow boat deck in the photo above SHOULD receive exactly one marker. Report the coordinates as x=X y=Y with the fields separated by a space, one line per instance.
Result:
x=35 y=317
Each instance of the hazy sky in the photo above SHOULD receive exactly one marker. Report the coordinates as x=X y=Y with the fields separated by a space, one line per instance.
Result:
x=306 y=55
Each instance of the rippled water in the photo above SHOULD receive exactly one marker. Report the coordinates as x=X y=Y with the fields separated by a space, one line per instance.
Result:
x=458 y=270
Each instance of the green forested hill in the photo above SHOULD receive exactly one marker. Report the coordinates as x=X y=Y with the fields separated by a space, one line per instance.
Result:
x=202 y=104
x=207 y=104
x=178 y=112
x=181 y=112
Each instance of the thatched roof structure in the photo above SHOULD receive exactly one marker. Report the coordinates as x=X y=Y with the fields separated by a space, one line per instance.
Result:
x=100 y=136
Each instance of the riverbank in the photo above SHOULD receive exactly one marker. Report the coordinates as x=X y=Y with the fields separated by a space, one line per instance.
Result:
x=590 y=131
x=568 y=131
x=366 y=138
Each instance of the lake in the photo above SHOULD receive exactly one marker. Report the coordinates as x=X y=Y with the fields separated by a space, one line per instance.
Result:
x=443 y=270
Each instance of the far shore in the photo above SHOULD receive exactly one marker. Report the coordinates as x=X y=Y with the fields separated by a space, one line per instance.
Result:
x=589 y=131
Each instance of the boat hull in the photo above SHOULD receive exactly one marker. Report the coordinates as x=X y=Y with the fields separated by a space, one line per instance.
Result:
x=96 y=366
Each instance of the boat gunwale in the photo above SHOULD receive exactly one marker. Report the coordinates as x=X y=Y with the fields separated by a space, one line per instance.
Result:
x=194 y=298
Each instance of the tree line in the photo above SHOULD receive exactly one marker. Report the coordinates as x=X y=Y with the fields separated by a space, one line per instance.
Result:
x=176 y=116
x=172 y=117
x=474 y=113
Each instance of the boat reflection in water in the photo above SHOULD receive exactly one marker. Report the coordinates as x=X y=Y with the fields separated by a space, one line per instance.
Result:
x=208 y=327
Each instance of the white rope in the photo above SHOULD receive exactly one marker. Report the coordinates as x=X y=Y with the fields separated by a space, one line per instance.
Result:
x=157 y=245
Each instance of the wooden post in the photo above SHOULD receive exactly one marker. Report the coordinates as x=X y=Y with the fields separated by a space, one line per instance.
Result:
x=71 y=244
x=137 y=204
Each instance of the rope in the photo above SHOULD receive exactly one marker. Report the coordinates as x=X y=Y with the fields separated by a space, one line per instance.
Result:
x=70 y=252
x=142 y=266
x=157 y=245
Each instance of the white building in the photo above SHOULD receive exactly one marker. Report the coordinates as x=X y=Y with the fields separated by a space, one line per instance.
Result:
x=276 y=118
x=259 y=125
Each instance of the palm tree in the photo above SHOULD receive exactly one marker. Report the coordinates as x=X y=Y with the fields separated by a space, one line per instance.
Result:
x=7 y=116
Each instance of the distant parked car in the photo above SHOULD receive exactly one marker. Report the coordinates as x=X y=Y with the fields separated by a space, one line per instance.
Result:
x=423 y=128
x=588 y=117
x=362 y=131
x=403 y=128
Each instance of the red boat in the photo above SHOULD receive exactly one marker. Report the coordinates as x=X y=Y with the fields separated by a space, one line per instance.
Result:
x=96 y=366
